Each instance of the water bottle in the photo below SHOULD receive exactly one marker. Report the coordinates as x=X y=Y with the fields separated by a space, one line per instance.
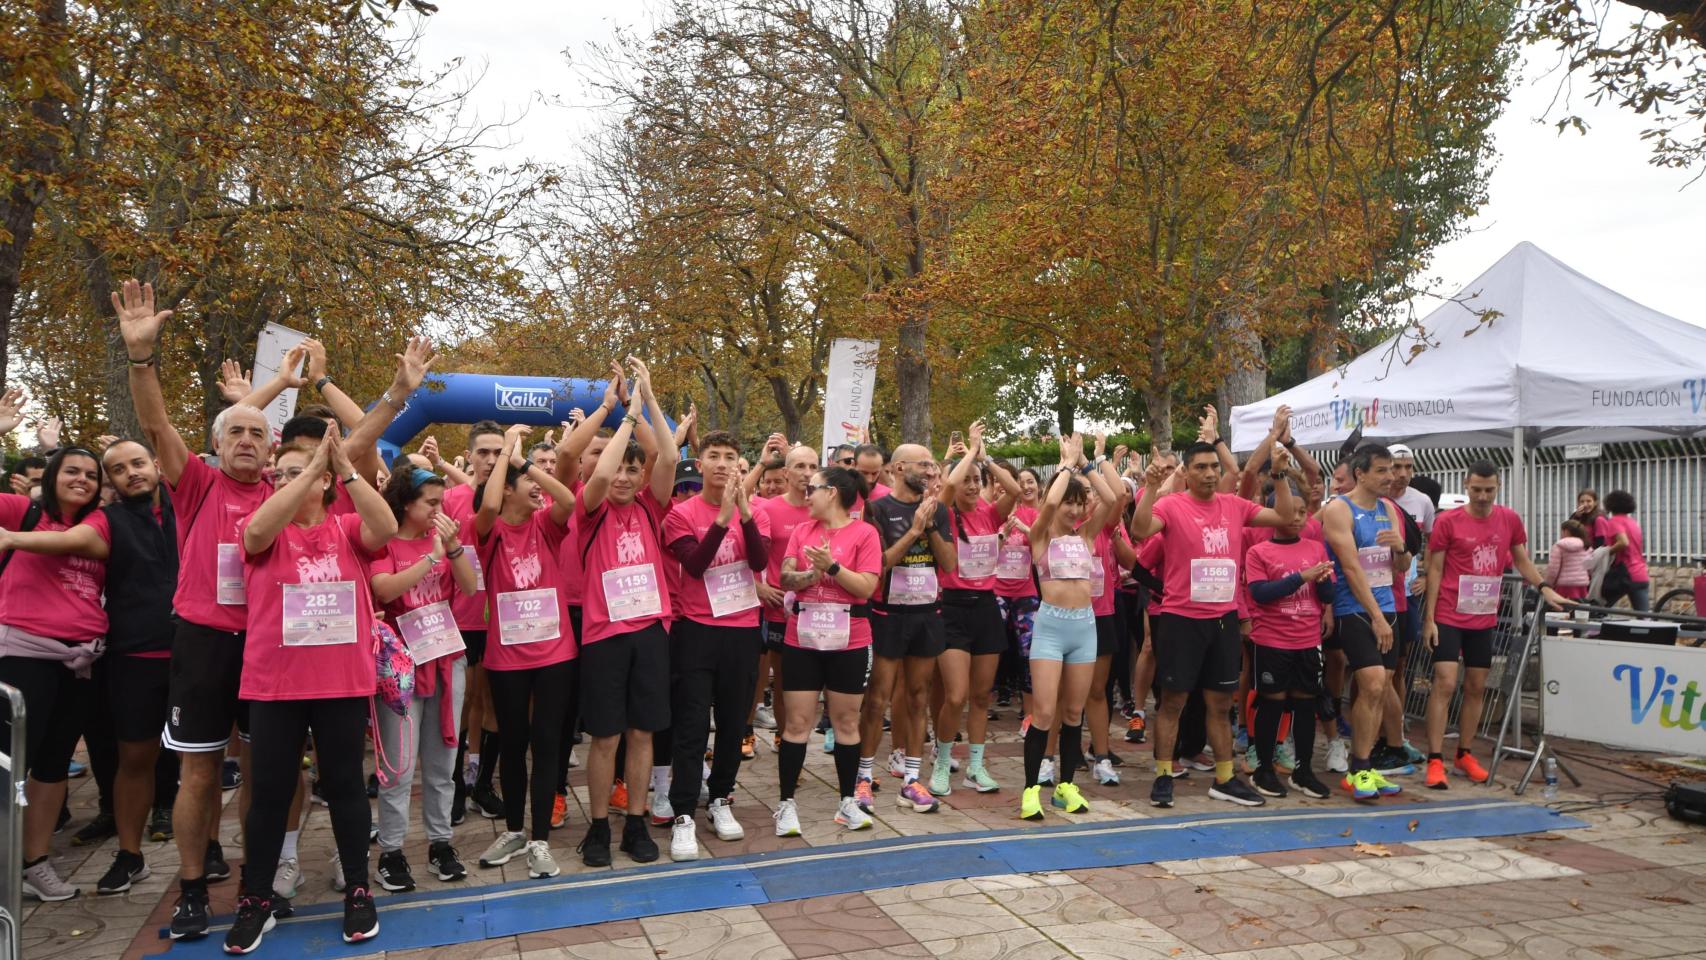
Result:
x=1550 y=791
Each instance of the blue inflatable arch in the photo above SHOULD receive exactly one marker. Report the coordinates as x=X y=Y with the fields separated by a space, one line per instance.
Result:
x=472 y=397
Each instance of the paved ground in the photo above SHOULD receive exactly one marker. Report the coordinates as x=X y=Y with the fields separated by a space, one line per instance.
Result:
x=1633 y=884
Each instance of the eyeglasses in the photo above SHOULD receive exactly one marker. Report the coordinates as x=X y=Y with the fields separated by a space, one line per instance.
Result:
x=812 y=488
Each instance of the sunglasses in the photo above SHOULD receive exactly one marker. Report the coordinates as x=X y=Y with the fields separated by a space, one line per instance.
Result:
x=812 y=488
x=845 y=461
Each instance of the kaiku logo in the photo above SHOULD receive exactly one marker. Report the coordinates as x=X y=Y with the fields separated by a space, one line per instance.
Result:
x=533 y=399
x=1677 y=711
x=1349 y=416
x=1696 y=387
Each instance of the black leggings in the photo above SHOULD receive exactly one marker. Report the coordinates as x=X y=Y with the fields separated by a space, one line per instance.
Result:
x=277 y=731
x=530 y=705
x=53 y=707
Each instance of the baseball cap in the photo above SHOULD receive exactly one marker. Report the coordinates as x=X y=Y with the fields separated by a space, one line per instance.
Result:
x=1401 y=452
x=687 y=471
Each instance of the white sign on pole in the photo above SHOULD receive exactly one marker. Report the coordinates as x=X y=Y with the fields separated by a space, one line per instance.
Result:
x=275 y=340
x=1582 y=451
x=1639 y=696
x=847 y=397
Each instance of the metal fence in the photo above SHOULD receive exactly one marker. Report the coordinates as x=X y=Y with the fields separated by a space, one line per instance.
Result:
x=11 y=828
x=1508 y=640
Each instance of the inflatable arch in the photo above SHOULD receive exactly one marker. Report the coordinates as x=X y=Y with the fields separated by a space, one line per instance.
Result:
x=471 y=397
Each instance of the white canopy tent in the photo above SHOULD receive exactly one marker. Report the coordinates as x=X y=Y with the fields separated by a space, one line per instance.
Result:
x=1563 y=360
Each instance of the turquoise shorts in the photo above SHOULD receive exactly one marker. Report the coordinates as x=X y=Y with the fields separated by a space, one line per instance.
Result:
x=1067 y=635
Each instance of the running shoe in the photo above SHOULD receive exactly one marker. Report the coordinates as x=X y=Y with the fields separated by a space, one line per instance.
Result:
x=897 y=764
x=723 y=820
x=160 y=825
x=1437 y=780
x=663 y=813
x=1411 y=753
x=1045 y=773
x=213 y=866
x=127 y=868
x=254 y=919
x=1236 y=791
x=361 y=919
x=189 y=914
x=1161 y=794
x=1241 y=740
x=683 y=840
x=1362 y=785
x=863 y=795
x=1285 y=756
x=979 y=779
x=637 y=842
x=540 y=866
x=787 y=817
x=230 y=774
x=1338 y=755
x=1391 y=762
x=1267 y=783
x=1031 y=803
x=287 y=877
x=595 y=846
x=441 y=856
x=1386 y=787
x=851 y=815
x=941 y=778
x=559 y=811
x=1468 y=766
x=1067 y=797
x=1307 y=783
x=1105 y=773
x=618 y=795
x=487 y=802
x=504 y=848
x=764 y=718
x=915 y=796
x=394 y=872
x=748 y=747
x=829 y=740
x=95 y=831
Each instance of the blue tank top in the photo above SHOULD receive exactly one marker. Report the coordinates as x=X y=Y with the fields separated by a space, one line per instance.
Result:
x=1365 y=525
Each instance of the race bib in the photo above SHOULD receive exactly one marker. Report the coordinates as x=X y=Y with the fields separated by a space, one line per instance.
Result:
x=228 y=589
x=528 y=616
x=913 y=585
x=479 y=572
x=1477 y=596
x=1014 y=562
x=824 y=626
x=632 y=592
x=430 y=632
x=979 y=556
x=1213 y=579
x=730 y=588
x=1069 y=559
x=319 y=614
x=1098 y=578
x=1376 y=563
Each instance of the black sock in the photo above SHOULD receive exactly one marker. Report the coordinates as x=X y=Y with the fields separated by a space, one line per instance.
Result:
x=30 y=863
x=1461 y=751
x=790 y=760
x=1303 y=731
x=197 y=886
x=1036 y=744
x=461 y=760
x=846 y=766
x=1071 y=752
x=489 y=753
x=1435 y=756
x=1266 y=730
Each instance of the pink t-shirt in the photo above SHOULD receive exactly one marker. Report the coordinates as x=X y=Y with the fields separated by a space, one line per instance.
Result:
x=525 y=587
x=1102 y=603
x=50 y=596
x=342 y=502
x=1017 y=551
x=624 y=563
x=1609 y=527
x=877 y=493
x=855 y=546
x=210 y=505
x=729 y=573
x=1477 y=551
x=569 y=558
x=470 y=609
x=310 y=614
x=783 y=517
x=977 y=538
x=1292 y=622
x=1202 y=544
x=439 y=584
x=1252 y=537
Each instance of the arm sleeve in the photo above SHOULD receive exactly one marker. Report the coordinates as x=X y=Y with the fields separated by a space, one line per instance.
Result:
x=1324 y=591
x=757 y=544
x=696 y=555
x=1267 y=591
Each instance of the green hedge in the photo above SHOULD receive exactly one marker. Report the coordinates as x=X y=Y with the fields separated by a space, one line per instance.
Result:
x=1047 y=450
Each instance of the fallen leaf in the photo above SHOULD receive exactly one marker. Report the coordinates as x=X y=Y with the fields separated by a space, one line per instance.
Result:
x=1205 y=889
x=1670 y=900
x=1673 y=841
x=1371 y=849
x=1177 y=950
x=1414 y=824
x=1575 y=904
x=1346 y=833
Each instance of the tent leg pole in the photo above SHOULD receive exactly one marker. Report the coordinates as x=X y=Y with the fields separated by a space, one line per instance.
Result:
x=1519 y=474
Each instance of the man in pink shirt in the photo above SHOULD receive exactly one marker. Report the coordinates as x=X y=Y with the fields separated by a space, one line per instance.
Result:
x=479 y=723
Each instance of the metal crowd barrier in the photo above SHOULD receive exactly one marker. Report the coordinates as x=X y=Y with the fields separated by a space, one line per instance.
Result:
x=11 y=829
x=1509 y=639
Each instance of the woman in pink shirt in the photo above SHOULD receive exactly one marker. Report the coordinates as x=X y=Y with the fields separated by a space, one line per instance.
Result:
x=1016 y=590
x=1628 y=576
x=51 y=629
x=308 y=665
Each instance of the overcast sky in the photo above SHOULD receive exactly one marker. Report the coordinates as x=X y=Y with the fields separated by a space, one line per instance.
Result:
x=1592 y=201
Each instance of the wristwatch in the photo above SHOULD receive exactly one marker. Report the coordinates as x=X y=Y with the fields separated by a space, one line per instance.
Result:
x=353 y=477
x=833 y=569
x=320 y=384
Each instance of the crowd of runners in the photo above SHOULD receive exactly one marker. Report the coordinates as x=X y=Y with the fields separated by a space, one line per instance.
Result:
x=475 y=618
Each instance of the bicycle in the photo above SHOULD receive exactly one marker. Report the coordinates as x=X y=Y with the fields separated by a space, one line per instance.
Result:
x=1685 y=601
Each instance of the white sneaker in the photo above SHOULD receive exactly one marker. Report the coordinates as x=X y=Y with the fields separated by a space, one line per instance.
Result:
x=723 y=820
x=338 y=874
x=43 y=882
x=662 y=812
x=504 y=848
x=286 y=877
x=1045 y=773
x=897 y=763
x=539 y=862
x=851 y=815
x=683 y=840
x=1338 y=756
x=764 y=717
x=1105 y=773
x=787 y=819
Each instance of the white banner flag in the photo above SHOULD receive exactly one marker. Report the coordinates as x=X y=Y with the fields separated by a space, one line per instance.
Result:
x=847 y=397
x=270 y=348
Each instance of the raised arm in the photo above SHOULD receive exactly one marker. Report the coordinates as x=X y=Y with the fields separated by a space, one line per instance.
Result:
x=1009 y=484
x=348 y=412
x=663 y=470
x=1251 y=480
x=412 y=365
x=1144 y=522
x=378 y=523
x=139 y=325
x=1050 y=503
x=562 y=498
x=271 y=517
x=492 y=503
x=609 y=461
x=1275 y=515
x=286 y=378
x=577 y=438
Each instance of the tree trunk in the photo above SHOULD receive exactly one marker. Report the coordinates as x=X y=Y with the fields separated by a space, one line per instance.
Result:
x=1065 y=401
x=1157 y=399
x=793 y=426
x=1246 y=380
x=912 y=377
x=37 y=159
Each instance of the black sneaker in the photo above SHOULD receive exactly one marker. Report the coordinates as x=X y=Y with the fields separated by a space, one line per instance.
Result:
x=595 y=846
x=372 y=786
x=442 y=858
x=230 y=774
x=160 y=825
x=1113 y=758
x=215 y=867
x=1267 y=783
x=95 y=831
x=127 y=868
x=394 y=872
x=1392 y=762
x=459 y=804
x=189 y=916
x=1305 y=782
x=1161 y=795
x=487 y=802
x=361 y=918
x=314 y=793
x=254 y=918
x=64 y=818
x=1236 y=791
x=637 y=841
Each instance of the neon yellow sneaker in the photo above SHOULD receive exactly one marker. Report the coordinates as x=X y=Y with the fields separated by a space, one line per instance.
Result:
x=1067 y=797
x=1031 y=803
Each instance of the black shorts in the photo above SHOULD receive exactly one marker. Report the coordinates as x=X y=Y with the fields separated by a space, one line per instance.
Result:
x=575 y=623
x=1356 y=638
x=1282 y=671
x=625 y=683
x=202 y=704
x=908 y=632
x=973 y=623
x=1107 y=636
x=138 y=693
x=475 y=641
x=775 y=633
x=838 y=671
x=1474 y=646
x=1193 y=654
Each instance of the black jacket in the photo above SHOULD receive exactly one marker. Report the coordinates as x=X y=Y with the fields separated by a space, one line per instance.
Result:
x=142 y=575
